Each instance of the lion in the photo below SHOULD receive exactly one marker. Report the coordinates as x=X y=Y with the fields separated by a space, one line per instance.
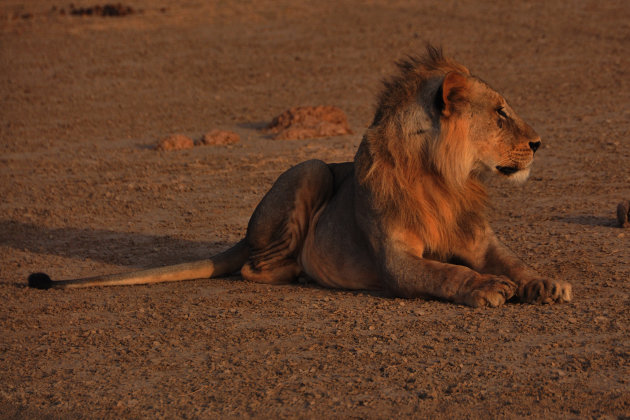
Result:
x=407 y=217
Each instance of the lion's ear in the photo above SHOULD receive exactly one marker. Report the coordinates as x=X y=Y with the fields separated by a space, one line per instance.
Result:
x=454 y=90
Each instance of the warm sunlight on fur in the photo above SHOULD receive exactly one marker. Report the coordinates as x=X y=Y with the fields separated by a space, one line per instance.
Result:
x=408 y=216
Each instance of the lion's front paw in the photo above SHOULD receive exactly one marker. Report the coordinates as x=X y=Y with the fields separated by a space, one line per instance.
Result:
x=488 y=290
x=545 y=291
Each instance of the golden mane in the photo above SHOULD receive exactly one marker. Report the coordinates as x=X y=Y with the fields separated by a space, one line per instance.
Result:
x=417 y=165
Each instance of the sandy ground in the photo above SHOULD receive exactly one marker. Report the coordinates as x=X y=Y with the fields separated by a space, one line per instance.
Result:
x=85 y=98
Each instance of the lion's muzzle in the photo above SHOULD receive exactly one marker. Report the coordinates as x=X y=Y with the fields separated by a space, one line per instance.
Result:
x=507 y=170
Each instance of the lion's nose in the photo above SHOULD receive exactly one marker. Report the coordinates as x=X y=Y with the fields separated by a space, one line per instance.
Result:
x=534 y=145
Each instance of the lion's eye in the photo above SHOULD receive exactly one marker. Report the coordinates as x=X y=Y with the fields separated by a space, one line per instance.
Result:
x=501 y=112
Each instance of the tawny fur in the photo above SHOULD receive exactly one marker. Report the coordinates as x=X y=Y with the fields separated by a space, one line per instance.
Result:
x=407 y=216
x=421 y=179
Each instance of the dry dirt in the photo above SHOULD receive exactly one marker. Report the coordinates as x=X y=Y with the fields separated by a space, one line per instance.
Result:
x=84 y=99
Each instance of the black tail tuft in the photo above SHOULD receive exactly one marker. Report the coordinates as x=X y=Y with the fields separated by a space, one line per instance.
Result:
x=39 y=281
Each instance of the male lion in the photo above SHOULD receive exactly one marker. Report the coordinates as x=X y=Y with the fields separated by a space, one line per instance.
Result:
x=407 y=216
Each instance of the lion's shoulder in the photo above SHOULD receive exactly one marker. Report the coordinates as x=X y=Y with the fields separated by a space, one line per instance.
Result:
x=341 y=172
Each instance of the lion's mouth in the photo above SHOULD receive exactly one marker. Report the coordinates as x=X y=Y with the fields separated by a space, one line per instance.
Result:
x=507 y=170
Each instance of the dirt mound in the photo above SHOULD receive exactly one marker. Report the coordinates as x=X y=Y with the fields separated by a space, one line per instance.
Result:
x=305 y=122
x=175 y=142
x=107 y=10
x=218 y=137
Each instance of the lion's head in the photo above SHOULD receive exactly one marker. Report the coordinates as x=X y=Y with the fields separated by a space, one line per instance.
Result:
x=435 y=112
x=496 y=138
x=437 y=129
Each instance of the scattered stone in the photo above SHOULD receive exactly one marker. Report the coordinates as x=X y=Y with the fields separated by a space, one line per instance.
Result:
x=218 y=137
x=175 y=142
x=305 y=122
x=623 y=214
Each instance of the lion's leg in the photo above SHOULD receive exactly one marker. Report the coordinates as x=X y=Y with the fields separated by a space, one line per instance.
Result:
x=532 y=287
x=488 y=255
x=410 y=276
x=278 y=227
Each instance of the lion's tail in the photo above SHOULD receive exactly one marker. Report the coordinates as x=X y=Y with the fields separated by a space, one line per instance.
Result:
x=225 y=263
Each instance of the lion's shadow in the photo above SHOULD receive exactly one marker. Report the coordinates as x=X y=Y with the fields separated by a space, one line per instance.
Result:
x=588 y=220
x=129 y=249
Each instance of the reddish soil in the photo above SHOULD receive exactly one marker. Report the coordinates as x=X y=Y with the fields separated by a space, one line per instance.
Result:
x=85 y=98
